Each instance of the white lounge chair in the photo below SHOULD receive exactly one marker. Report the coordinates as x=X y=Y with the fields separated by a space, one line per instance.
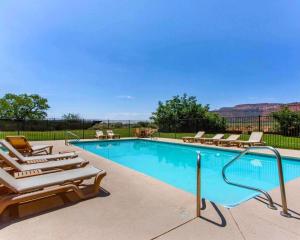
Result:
x=254 y=140
x=32 y=188
x=62 y=164
x=211 y=140
x=100 y=134
x=112 y=135
x=26 y=159
x=195 y=138
x=227 y=141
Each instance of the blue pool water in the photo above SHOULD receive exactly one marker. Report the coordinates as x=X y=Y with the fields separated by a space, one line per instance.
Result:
x=175 y=164
x=3 y=149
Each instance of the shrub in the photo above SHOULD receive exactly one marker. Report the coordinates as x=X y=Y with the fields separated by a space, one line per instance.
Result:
x=288 y=122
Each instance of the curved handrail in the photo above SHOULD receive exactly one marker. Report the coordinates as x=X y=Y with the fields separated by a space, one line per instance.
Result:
x=77 y=138
x=280 y=173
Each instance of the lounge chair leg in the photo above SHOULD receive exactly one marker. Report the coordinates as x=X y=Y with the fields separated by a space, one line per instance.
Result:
x=3 y=206
x=50 y=149
x=14 y=199
x=97 y=182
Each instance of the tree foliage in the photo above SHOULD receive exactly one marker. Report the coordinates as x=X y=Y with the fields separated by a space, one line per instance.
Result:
x=288 y=121
x=184 y=113
x=23 y=107
x=71 y=116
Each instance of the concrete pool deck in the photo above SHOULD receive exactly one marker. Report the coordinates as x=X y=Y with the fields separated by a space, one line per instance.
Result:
x=135 y=206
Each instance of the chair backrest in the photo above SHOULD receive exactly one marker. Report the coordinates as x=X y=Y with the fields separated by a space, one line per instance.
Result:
x=10 y=161
x=255 y=136
x=218 y=136
x=99 y=133
x=137 y=132
x=199 y=134
x=19 y=142
x=233 y=137
x=12 y=150
x=152 y=131
x=110 y=132
x=8 y=181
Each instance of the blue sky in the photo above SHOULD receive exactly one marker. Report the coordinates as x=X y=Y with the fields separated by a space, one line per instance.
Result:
x=116 y=59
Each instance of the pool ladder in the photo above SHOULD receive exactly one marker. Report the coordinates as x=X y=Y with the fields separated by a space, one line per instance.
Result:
x=271 y=205
x=68 y=134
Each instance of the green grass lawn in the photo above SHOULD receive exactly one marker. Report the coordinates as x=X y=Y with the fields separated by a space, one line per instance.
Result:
x=60 y=135
x=274 y=140
x=270 y=139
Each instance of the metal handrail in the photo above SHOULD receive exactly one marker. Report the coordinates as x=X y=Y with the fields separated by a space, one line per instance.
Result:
x=284 y=211
x=198 y=202
x=72 y=134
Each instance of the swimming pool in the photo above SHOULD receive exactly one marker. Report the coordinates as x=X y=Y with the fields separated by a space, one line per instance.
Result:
x=175 y=164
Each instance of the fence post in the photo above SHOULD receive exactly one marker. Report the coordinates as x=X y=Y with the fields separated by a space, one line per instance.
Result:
x=47 y=128
x=259 y=123
x=129 y=128
x=175 y=134
x=107 y=124
x=18 y=124
x=83 y=128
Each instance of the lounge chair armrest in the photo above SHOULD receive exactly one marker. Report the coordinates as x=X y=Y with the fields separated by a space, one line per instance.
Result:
x=36 y=161
x=36 y=172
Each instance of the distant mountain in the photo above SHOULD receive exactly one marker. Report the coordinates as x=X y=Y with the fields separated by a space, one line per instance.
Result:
x=263 y=109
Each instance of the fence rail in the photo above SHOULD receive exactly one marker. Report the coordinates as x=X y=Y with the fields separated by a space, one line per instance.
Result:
x=55 y=129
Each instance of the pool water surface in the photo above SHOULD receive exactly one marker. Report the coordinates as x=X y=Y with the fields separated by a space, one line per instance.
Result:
x=175 y=164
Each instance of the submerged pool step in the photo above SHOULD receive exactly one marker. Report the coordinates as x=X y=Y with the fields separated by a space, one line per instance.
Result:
x=271 y=205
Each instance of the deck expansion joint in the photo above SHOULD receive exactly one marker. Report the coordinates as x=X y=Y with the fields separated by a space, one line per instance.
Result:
x=174 y=228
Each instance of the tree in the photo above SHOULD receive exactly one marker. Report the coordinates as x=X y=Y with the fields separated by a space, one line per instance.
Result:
x=71 y=116
x=288 y=121
x=184 y=113
x=142 y=124
x=23 y=107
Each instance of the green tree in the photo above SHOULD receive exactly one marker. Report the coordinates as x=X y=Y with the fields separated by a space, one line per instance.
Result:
x=142 y=124
x=288 y=121
x=71 y=116
x=184 y=113
x=23 y=106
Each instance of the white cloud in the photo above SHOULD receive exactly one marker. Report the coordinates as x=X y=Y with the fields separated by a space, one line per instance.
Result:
x=126 y=97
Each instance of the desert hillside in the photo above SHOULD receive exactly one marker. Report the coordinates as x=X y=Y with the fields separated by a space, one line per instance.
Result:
x=263 y=109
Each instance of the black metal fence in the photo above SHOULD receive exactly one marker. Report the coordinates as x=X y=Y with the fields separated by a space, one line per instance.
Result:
x=55 y=129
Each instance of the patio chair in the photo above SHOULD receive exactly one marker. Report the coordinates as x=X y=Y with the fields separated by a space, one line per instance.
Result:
x=100 y=134
x=23 y=146
x=193 y=139
x=211 y=140
x=36 y=187
x=141 y=132
x=112 y=135
x=255 y=139
x=151 y=132
x=137 y=132
x=227 y=141
x=39 y=158
x=29 y=169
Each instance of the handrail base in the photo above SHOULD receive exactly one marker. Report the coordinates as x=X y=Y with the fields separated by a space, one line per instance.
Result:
x=285 y=214
x=272 y=207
